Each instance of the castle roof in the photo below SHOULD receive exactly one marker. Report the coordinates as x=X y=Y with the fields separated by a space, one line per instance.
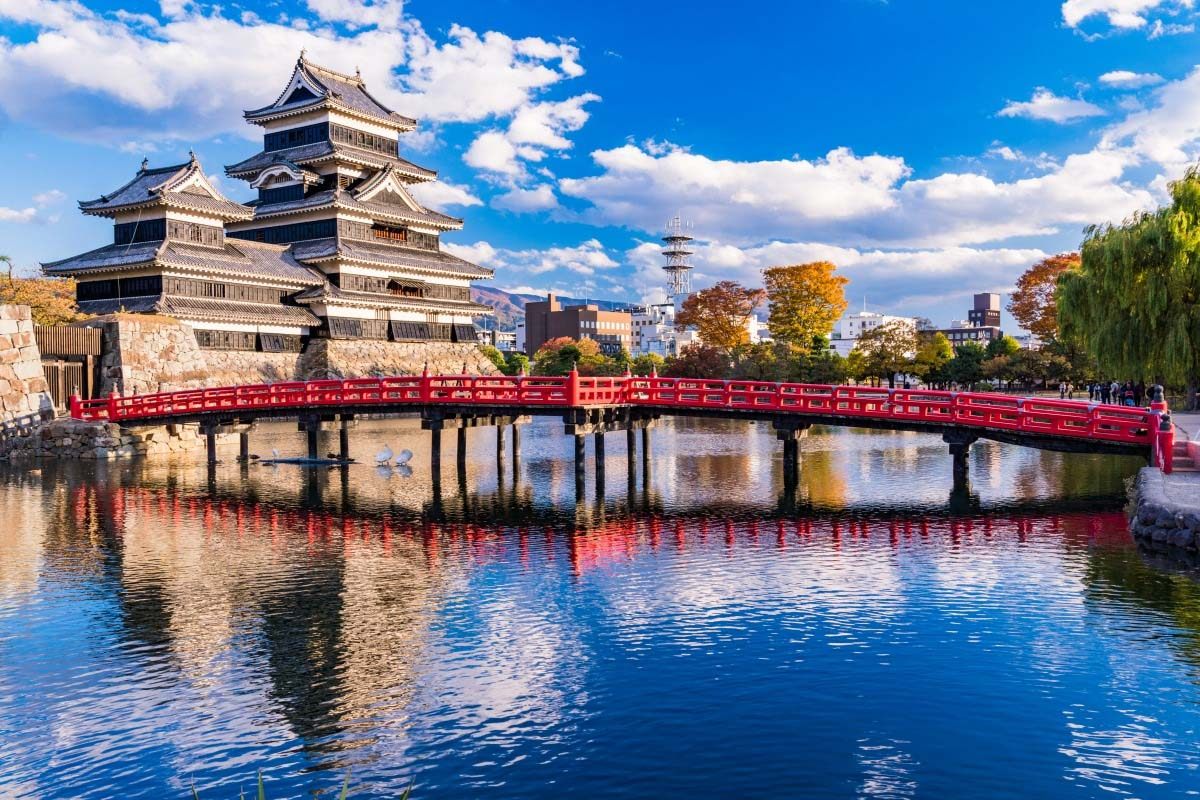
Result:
x=313 y=87
x=182 y=186
x=335 y=294
x=204 y=310
x=433 y=262
x=377 y=198
x=237 y=258
x=319 y=152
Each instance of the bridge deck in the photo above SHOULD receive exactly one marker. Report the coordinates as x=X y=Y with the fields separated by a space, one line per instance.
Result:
x=1066 y=425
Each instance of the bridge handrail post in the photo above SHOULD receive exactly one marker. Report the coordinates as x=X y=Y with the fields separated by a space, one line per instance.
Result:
x=573 y=396
x=112 y=405
x=424 y=388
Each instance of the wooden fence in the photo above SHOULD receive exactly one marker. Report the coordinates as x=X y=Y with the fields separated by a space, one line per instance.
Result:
x=69 y=360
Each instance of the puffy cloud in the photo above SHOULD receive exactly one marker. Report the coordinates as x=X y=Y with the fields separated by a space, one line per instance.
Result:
x=1046 y=105
x=18 y=214
x=1125 y=79
x=847 y=199
x=583 y=259
x=1122 y=14
x=439 y=194
x=198 y=69
x=492 y=151
x=37 y=212
x=1166 y=132
x=359 y=13
x=472 y=77
x=539 y=198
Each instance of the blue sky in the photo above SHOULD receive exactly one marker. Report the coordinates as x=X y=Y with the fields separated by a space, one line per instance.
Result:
x=930 y=149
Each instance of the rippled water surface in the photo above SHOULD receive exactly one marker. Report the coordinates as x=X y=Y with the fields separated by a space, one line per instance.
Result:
x=706 y=635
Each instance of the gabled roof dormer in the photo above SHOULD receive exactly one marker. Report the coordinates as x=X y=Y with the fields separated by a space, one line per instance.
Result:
x=183 y=186
x=386 y=187
x=285 y=172
x=314 y=87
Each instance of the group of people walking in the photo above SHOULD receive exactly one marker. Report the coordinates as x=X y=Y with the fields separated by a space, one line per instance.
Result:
x=1111 y=392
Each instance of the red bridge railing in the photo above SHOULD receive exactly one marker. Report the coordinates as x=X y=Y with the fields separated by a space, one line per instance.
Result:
x=1046 y=417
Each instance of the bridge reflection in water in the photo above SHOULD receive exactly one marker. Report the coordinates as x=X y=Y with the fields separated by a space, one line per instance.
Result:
x=181 y=623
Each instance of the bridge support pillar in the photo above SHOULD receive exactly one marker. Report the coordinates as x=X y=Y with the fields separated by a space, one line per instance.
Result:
x=501 y=430
x=461 y=453
x=516 y=451
x=960 y=450
x=790 y=433
x=580 y=457
x=599 y=456
x=347 y=422
x=631 y=457
x=435 y=454
x=210 y=444
x=244 y=445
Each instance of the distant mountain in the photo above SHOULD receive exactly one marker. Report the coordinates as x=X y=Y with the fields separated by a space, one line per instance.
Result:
x=510 y=307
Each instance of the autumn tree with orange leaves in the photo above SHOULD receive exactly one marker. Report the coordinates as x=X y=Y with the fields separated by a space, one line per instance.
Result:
x=806 y=300
x=1033 y=303
x=720 y=313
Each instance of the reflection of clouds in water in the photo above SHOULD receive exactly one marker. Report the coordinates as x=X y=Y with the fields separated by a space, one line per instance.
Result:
x=887 y=769
x=1117 y=760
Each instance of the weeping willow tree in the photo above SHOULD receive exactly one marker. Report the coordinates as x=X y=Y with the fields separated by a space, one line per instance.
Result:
x=1134 y=302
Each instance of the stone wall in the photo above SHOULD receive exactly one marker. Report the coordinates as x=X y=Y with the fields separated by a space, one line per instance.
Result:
x=360 y=358
x=1168 y=508
x=72 y=438
x=145 y=354
x=24 y=400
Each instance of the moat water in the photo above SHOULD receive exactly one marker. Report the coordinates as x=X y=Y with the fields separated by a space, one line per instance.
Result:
x=874 y=635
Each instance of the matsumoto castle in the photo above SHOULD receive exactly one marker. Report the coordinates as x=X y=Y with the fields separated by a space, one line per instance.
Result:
x=335 y=246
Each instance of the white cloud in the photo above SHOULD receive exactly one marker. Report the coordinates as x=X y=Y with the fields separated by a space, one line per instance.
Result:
x=49 y=198
x=359 y=13
x=492 y=151
x=18 y=214
x=1125 y=79
x=198 y=69
x=1045 y=104
x=539 y=198
x=1122 y=14
x=1167 y=132
x=583 y=259
x=1160 y=29
x=439 y=194
x=472 y=78
x=847 y=199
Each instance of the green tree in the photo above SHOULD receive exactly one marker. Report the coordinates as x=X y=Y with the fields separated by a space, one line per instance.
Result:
x=998 y=368
x=515 y=363
x=493 y=355
x=887 y=350
x=558 y=356
x=647 y=363
x=1002 y=346
x=966 y=368
x=805 y=301
x=933 y=354
x=1134 y=302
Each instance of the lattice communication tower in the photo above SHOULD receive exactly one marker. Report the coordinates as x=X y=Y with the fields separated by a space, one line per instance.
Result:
x=679 y=271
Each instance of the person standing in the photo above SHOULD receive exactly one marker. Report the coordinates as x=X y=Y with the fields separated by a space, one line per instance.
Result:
x=1115 y=392
x=1103 y=392
x=1139 y=393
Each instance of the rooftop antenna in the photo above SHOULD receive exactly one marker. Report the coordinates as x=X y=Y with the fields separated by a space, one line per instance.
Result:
x=679 y=271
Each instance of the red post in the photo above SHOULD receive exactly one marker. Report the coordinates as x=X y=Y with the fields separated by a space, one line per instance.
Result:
x=573 y=398
x=112 y=405
x=425 y=383
x=1164 y=436
x=73 y=405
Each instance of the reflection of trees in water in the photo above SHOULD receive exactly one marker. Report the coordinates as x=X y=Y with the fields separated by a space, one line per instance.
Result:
x=1173 y=593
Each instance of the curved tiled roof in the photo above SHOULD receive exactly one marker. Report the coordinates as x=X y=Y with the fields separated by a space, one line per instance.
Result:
x=335 y=90
x=153 y=187
x=329 y=292
x=237 y=257
x=345 y=200
x=434 y=262
x=328 y=151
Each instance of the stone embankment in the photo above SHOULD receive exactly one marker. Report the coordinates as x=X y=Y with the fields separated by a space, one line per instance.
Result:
x=24 y=400
x=72 y=438
x=1168 y=508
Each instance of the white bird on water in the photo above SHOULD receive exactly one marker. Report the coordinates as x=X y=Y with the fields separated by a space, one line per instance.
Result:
x=403 y=458
x=274 y=453
x=384 y=456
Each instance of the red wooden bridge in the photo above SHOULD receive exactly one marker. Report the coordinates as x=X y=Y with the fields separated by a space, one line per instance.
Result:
x=596 y=405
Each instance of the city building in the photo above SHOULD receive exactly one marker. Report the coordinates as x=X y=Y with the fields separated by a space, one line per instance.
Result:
x=852 y=326
x=549 y=319
x=654 y=329
x=334 y=246
x=504 y=341
x=981 y=325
